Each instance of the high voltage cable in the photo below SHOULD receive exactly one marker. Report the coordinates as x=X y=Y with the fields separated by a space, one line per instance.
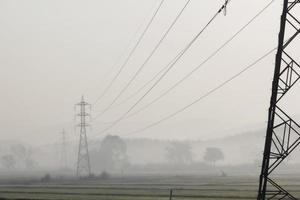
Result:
x=145 y=85
x=195 y=69
x=169 y=68
x=147 y=59
x=204 y=62
x=131 y=53
x=203 y=96
x=141 y=88
x=117 y=61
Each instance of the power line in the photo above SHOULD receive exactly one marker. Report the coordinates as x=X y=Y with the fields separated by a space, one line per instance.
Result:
x=141 y=88
x=147 y=59
x=117 y=61
x=170 y=66
x=203 y=96
x=131 y=53
x=204 y=62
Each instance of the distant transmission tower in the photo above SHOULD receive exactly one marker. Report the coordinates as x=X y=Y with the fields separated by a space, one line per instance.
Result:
x=83 y=160
x=283 y=133
x=64 y=157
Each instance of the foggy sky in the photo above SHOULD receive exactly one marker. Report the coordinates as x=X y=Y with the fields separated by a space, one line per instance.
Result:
x=54 y=51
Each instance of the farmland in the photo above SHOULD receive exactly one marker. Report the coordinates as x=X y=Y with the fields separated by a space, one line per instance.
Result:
x=142 y=188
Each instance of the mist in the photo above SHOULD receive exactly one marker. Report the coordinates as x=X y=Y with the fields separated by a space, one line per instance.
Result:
x=149 y=94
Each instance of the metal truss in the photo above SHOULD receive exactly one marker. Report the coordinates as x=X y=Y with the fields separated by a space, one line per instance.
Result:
x=83 y=160
x=283 y=133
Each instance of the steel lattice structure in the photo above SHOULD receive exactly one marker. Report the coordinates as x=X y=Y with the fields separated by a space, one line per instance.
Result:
x=83 y=160
x=64 y=157
x=283 y=133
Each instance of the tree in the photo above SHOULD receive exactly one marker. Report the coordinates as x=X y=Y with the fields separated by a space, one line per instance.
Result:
x=23 y=155
x=179 y=153
x=113 y=154
x=8 y=161
x=213 y=154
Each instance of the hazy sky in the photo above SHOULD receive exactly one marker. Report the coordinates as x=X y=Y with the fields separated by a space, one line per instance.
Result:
x=54 y=51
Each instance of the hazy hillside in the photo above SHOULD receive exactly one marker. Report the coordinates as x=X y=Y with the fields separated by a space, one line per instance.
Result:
x=239 y=149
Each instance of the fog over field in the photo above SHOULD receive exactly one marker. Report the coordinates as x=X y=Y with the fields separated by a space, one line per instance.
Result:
x=241 y=155
x=137 y=99
x=51 y=55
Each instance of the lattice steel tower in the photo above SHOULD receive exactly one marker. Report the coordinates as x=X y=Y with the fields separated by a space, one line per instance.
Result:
x=283 y=133
x=64 y=157
x=83 y=160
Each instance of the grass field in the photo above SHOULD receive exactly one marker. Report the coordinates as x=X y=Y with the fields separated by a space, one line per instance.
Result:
x=143 y=188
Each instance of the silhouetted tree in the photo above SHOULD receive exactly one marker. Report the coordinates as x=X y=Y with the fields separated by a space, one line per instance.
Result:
x=23 y=155
x=213 y=155
x=113 y=154
x=179 y=153
x=46 y=178
x=8 y=161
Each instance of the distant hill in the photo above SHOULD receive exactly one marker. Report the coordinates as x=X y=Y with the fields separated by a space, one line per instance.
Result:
x=239 y=149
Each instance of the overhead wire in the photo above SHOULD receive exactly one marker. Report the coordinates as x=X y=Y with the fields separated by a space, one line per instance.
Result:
x=201 y=64
x=171 y=65
x=146 y=60
x=130 y=54
x=210 y=92
x=141 y=88
x=114 y=65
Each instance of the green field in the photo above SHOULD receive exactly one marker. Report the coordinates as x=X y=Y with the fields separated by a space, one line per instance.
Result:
x=143 y=188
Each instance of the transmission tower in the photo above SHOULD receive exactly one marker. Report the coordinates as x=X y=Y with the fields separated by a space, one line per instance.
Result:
x=64 y=158
x=283 y=133
x=83 y=160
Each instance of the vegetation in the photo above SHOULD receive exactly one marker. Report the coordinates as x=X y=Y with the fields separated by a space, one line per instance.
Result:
x=179 y=153
x=111 y=155
x=143 y=188
x=46 y=178
x=213 y=154
x=8 y=161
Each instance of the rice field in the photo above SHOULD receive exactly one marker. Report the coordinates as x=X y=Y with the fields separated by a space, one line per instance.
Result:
x=143 y=188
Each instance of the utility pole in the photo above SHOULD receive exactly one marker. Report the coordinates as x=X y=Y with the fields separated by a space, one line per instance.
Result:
x=83 y=160
x=64 y=157
x=283 y=133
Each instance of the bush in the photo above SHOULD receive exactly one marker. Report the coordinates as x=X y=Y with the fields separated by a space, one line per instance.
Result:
x=104 y=175
x=46 y=178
